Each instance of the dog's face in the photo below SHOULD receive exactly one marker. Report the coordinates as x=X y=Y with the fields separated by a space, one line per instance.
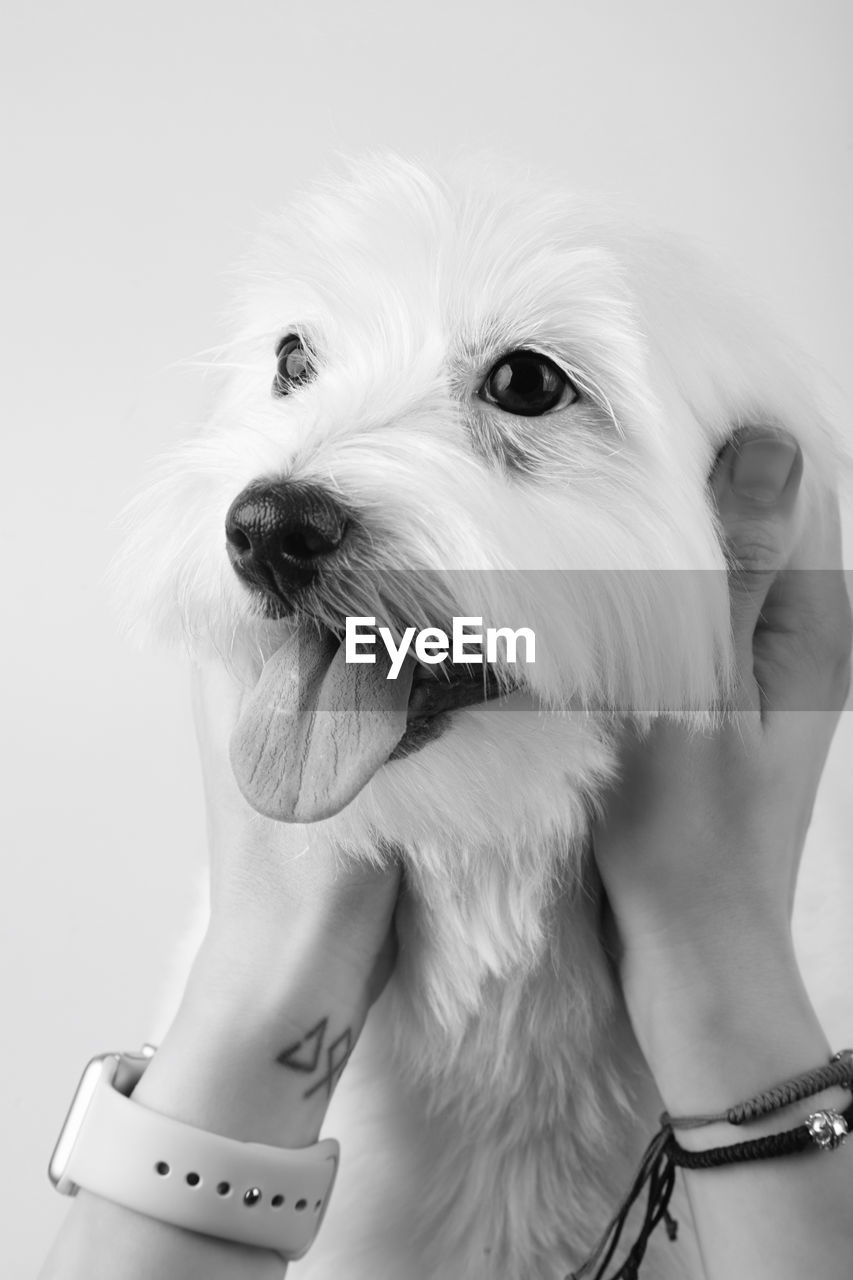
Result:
x=460 y=400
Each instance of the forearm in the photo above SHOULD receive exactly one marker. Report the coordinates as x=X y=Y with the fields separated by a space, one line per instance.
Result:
x=717 y=1029
x=219 y=1069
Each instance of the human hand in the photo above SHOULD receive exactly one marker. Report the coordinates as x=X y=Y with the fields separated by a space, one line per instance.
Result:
x=271 y=884
x=299 y=944
x=701 y=840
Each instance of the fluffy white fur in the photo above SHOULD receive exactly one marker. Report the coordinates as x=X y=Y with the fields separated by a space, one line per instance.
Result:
x=483 y=1118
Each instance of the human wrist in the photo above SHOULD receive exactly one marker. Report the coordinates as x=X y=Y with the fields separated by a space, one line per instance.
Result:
x=718 y=1025
x=254 y=1053
x=272 y=971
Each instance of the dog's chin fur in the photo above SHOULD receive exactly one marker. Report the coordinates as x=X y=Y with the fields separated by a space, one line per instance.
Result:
x=483 y=1142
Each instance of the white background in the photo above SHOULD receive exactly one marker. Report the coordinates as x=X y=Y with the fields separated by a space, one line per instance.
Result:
x=141 y=142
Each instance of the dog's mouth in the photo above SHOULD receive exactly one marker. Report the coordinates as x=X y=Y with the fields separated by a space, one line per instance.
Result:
x=316 y=728
x=437 y=692
x=447 y=687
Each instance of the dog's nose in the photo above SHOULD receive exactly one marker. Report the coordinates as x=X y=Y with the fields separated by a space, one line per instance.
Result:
x=279 y=533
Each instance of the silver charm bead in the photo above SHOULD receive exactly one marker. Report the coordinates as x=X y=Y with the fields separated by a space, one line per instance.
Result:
x=827 y=1129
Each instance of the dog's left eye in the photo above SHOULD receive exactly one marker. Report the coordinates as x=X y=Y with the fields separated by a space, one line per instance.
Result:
x=527 y=383
x=293 y=365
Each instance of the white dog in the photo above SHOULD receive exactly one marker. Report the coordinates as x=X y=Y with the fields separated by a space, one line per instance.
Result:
x=484 y=399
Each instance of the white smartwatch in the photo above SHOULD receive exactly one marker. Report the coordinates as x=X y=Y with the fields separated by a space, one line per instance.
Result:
x=114 y=1147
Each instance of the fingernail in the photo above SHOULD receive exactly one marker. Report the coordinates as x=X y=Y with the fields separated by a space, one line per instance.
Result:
x=762 y=466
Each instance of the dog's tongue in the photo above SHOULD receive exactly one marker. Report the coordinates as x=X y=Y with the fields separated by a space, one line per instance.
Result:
x=316 y=728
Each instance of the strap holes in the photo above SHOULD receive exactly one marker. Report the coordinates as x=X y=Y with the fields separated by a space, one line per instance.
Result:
x=301 y=1204
x=277 y=1202
x=317 y=1206
x=193 y=1179
x=223 y=1188
x=162 y=1168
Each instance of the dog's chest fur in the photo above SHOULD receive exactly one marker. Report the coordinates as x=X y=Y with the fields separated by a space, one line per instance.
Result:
x=494 y=1110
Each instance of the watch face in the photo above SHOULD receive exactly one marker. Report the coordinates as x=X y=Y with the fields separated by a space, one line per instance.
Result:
x=122 y=1071
x=80 y=1103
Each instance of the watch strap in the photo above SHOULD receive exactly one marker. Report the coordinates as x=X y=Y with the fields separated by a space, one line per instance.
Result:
x=244 y=1191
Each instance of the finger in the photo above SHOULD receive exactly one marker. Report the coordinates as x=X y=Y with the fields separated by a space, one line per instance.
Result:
x=755 y=484
x=802 y=650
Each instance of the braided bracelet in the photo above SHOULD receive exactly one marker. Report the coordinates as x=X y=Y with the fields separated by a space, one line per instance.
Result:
x=839 y=1071
x=823 y=1130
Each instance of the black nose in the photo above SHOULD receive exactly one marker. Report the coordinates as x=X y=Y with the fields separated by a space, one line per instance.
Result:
x=279 y=533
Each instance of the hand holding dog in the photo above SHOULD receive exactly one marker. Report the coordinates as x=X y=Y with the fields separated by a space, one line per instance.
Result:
x=298 y=940
x=268 y=888
x=699 y=852
x=701 y=842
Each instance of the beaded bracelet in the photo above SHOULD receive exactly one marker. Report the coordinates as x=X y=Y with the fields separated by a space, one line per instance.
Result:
x=824 y=1130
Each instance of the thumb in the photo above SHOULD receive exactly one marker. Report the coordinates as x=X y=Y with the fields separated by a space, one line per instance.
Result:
x=755 y=484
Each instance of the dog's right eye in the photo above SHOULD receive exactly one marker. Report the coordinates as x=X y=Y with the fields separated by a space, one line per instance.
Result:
x=293 y=365
x=528 y=384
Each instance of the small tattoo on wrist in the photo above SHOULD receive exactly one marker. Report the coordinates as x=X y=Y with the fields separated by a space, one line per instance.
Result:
x=312 y=1053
